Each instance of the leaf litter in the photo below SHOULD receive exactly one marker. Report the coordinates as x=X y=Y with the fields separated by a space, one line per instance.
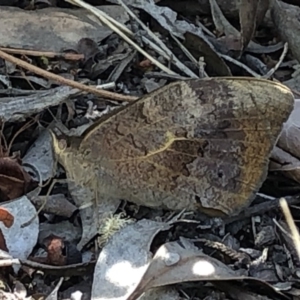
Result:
x=137 y=47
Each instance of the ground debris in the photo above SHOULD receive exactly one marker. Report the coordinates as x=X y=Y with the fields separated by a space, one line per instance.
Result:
x=65 y=234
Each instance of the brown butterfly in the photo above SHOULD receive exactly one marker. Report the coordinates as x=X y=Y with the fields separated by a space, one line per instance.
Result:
x=195 y=144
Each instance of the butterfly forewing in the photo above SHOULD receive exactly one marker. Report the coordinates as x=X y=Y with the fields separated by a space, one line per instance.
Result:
x=200 y=143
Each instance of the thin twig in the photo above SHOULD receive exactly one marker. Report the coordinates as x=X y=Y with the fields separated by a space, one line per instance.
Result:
x=106 y=86
x=184 y=49
x=238 y=63
x=68 y=56
x=260 y=209
x=282 y=229
x=203 y=28
x=156 y=48
x=281 y=58
x=65 y=81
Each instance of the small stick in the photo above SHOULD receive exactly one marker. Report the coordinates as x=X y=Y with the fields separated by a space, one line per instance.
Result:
x=282 y=56
x=260 y=209
x=65 y=81
x=238 y=63
x=68 y=56
x=291 y=224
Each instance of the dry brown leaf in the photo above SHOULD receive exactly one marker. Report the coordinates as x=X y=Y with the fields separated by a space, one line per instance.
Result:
x=221 y=23
x=14 y=180
x=199 y=46
x=49 y=29
x=176 y=262
x=286 y=154
x=289 y=139
x=247 y=13
x=173 y=263
x=285 y=163
x=286 y=20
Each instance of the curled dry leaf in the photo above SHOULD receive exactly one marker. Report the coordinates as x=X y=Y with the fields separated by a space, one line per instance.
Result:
x=222 y=25
x=55 y=293
x=286 y=20
x=39 y=157
x=248 y=15
x=286 y=154
x=289 y=139
x=251 y=14
x=285 y=163
x=199 y=144
x=14 y=180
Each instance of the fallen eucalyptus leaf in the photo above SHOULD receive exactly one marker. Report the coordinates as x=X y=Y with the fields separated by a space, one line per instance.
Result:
x=20 y=241
x=124 y=259
x=49 y=29
x=286 y=155
x=173 y=263
x=19 y=108
x=289 y=139
x=39 y=158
